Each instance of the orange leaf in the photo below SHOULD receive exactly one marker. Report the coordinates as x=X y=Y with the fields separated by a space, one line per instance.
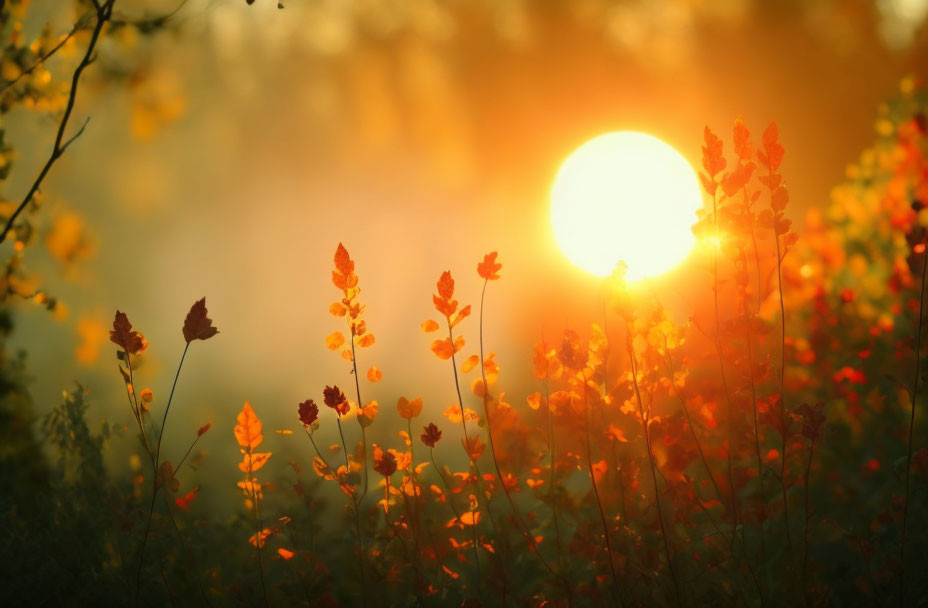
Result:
x=252 y=462
x=260 y=538
x=534 y=400
x=334 y=340
x=470 y=518
x=184 y=501
x=489 y=267
x=284 y=553
x=248 y=430
x=366 y=340
x=470 y=363
x=337 y=309
x=429 y=326
x=443 y=349
x=409 y=409
x=374 y=374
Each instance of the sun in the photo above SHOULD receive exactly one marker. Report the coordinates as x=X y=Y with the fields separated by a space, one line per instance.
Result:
x=625 y=196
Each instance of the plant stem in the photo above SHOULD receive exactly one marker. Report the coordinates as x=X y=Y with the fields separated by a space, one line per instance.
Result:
x=523 y=528
x=657 y=493
x=908 y=456
x=718 y=349
x=776 y=238
x=155 y=462
x=599 y=503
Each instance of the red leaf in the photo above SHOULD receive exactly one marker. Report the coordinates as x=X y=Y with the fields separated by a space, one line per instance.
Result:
x=197 y=326
x=131 y=341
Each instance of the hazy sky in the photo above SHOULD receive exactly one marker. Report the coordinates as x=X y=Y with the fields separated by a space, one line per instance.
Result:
x=422 y=135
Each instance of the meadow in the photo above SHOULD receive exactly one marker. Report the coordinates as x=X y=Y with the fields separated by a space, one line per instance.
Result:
x=769 y=450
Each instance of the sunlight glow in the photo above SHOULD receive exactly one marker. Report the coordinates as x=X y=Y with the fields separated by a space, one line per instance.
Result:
x=625 y=196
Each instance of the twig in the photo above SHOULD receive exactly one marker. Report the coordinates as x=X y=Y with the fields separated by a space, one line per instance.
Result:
x=104 y=12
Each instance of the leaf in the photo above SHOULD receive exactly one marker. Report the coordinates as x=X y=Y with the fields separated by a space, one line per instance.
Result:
x=489 y=267
x=338 y=309
x=429 y=326
x=184 y=501
x=248 y=430
x=534 y=400
x=374 y=374
x=261 y=537
x=366 y=340
x=334 y=340
x=409 y=409
x=203 y=429
x=470 y=363
x=367 y=414
x=443 y=349
x=430 y=435
x=122 y=335
x=251 y=462
x=285 y=553
x=453 y=413
x=470 y=518
x=322 y=469
x=474 y=447
x=446 y=285
x=197 y=326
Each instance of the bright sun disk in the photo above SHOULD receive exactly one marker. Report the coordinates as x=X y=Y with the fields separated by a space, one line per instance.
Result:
x=625 y=196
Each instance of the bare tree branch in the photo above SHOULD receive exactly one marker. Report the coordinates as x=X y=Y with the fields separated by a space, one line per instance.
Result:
x=104 y=12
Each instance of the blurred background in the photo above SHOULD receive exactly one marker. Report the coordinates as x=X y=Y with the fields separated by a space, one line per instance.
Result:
x=421 y=134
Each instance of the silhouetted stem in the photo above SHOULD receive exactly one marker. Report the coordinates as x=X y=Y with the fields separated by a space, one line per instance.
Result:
x=156 y=461
x=599 y=502
x=357 y=511
x=357 y=388
x=805 y=527
x=523 y=528
x=718 y=349
x=473 y=463
x=908 y=456
x=657 y=493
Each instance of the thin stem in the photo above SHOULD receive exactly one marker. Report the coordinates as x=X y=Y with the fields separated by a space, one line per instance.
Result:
x=718 y=349
x=523 y=527
x=357 y=388
x=357 y=511
x=805 y=528
x=155 y=463
x=599 y=503
x=657 y=493
x=776 y=238
x=473 y=463
x=908 y=457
